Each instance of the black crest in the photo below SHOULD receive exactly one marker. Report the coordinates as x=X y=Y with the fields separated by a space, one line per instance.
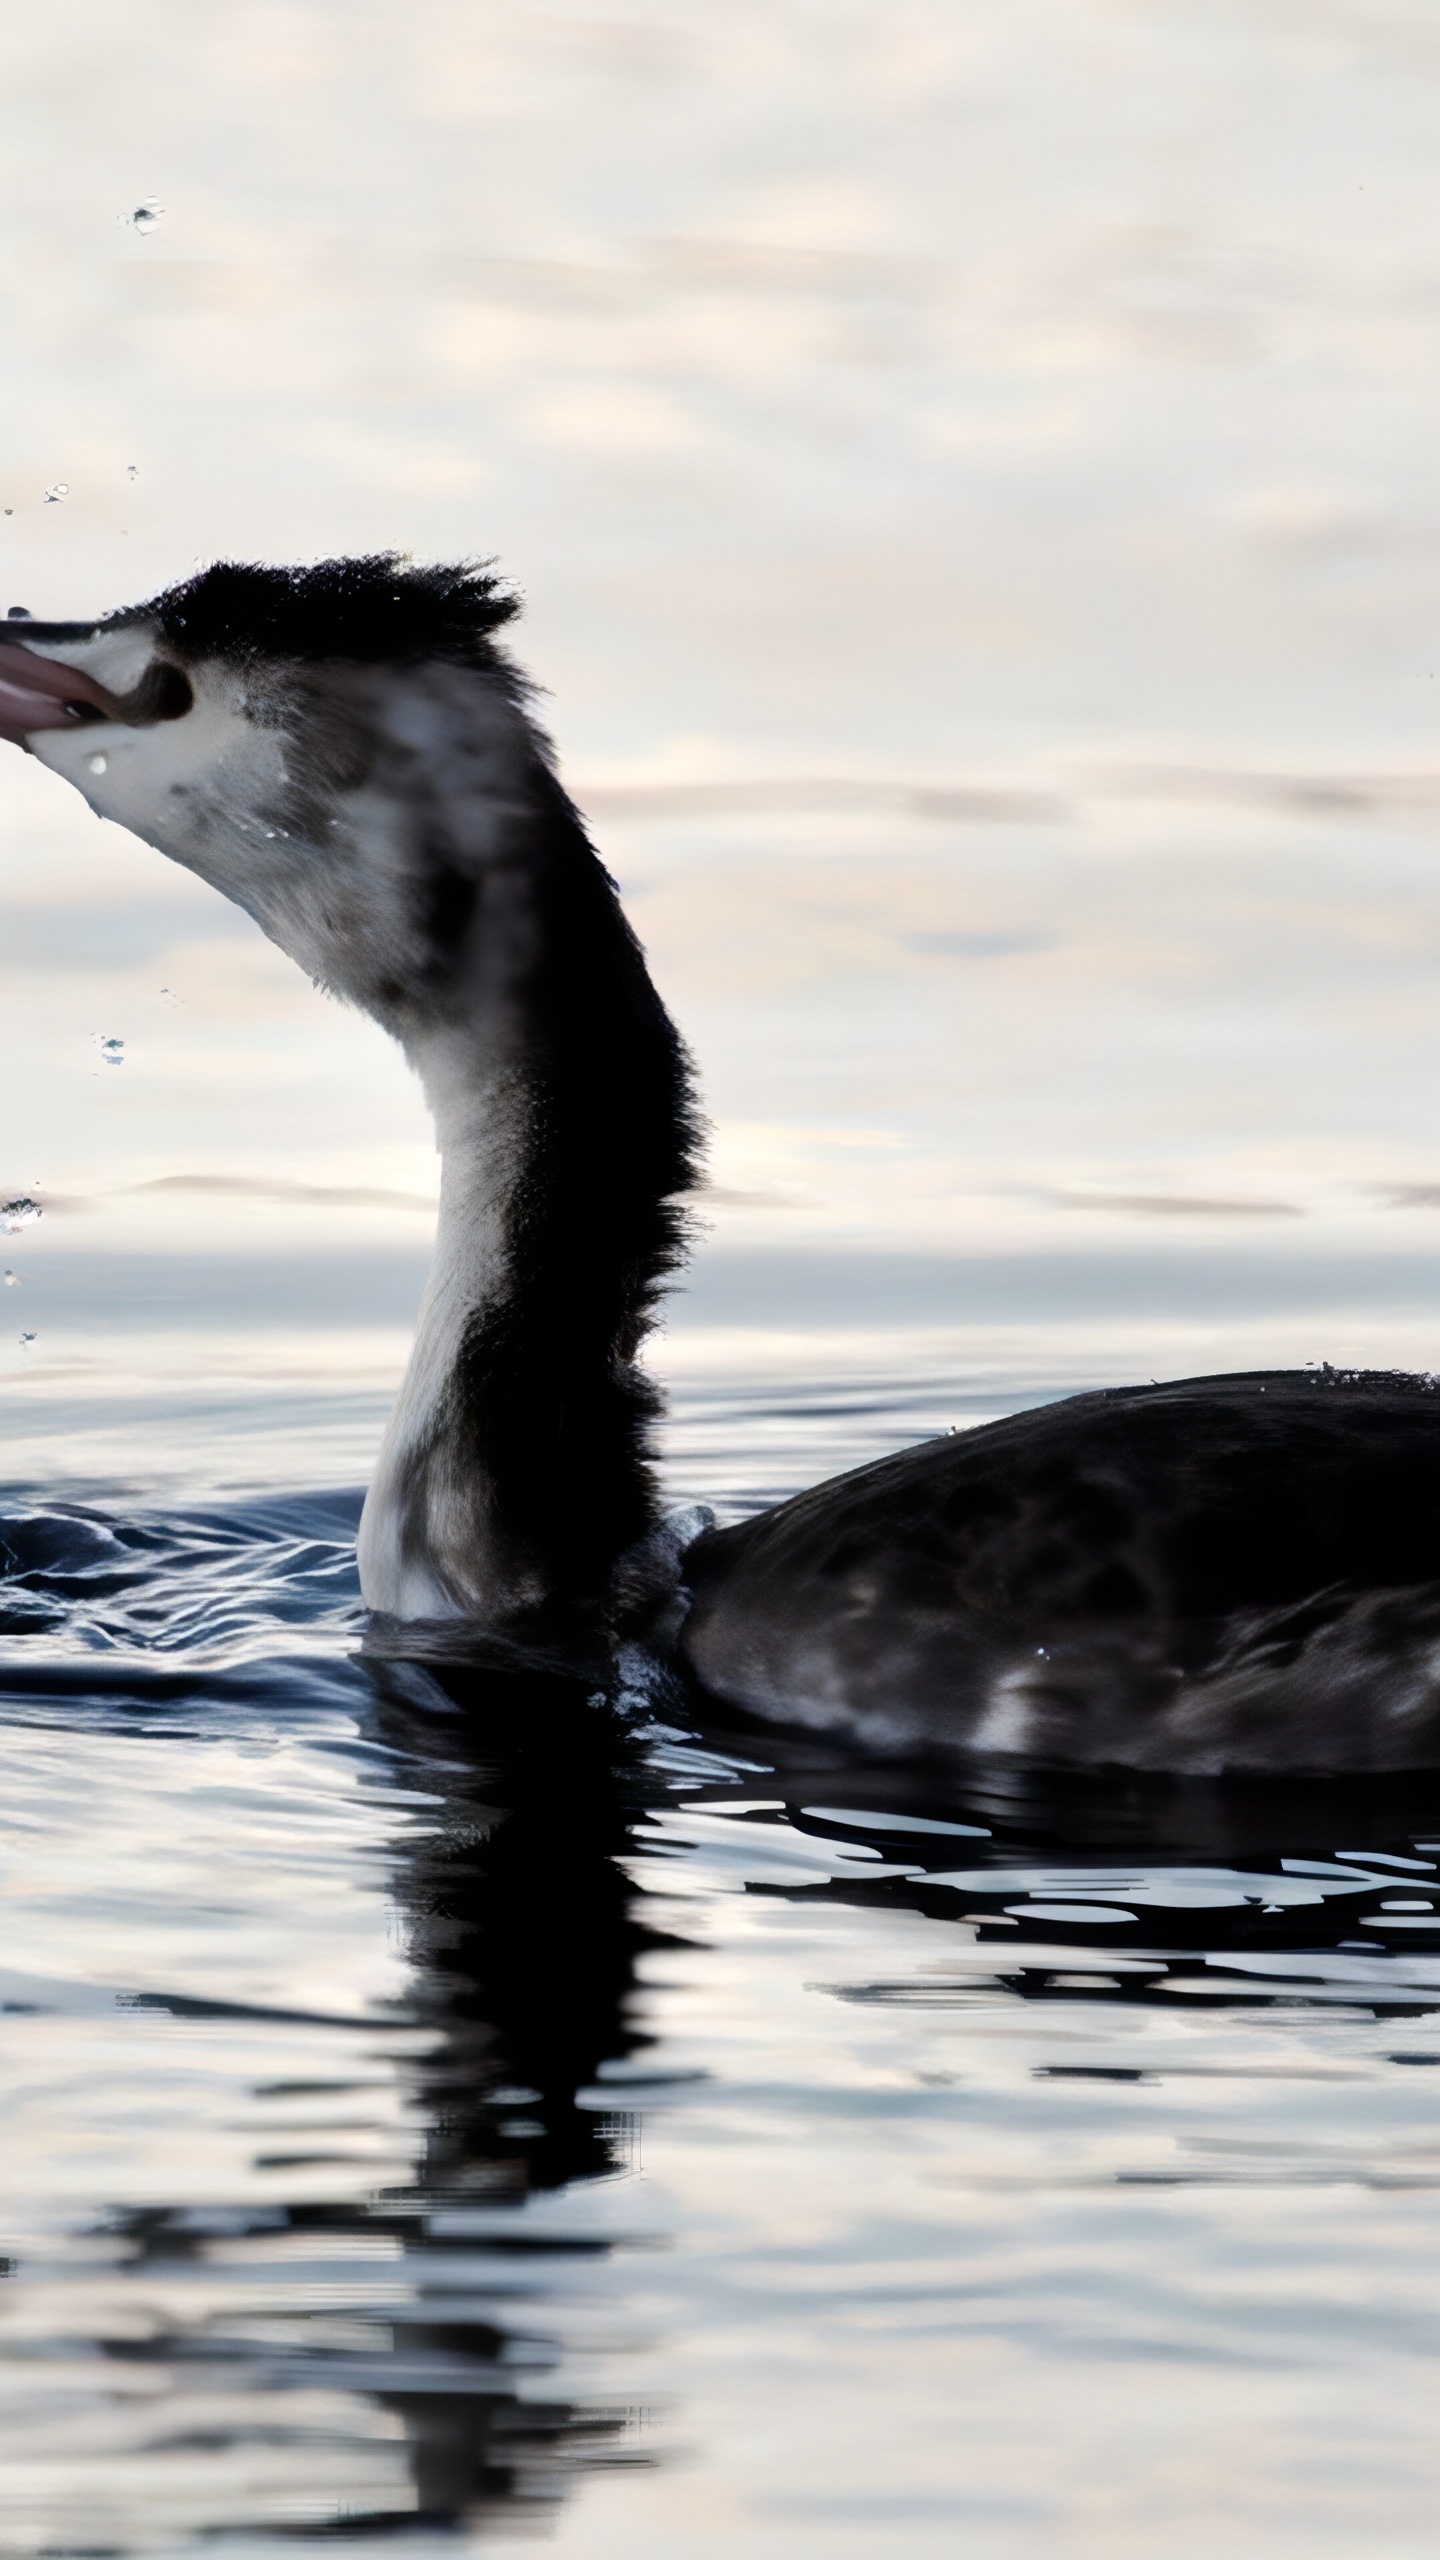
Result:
x=379 y=610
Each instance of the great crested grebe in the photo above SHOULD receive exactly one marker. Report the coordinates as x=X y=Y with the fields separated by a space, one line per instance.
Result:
x=1232 y=1573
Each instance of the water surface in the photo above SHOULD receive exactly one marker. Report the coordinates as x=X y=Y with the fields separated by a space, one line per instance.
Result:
x=462 y=2110
x=971 y=473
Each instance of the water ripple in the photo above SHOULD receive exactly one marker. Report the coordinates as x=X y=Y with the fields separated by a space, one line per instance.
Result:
x=434 y=2091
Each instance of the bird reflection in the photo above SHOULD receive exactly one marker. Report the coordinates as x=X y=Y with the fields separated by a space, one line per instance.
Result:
x=524 y=1930
x=1091 y=1838
x=520 y=1919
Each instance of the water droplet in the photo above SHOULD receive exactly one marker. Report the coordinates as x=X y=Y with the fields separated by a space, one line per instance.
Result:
x=96 y=763
x=12 y=1279
x=19 y=612
x=26 y=1337
x=145 y=215
x=132 y=470
x=57 y=490
x=15 y=1214
x=113 y=1052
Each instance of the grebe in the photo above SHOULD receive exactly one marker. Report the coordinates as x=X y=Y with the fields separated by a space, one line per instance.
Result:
x=1232 y=1573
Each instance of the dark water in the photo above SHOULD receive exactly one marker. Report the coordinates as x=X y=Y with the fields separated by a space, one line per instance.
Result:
x=442 y=2112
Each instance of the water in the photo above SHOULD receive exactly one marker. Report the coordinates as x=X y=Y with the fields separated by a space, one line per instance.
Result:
x=456 y=2114
x=969 y=472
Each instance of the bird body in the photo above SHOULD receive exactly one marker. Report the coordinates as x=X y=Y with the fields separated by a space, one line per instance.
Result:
x=1232 y=1572
x=1219 y=1573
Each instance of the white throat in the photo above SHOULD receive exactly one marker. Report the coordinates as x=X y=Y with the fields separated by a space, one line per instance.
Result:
x=429 y=1546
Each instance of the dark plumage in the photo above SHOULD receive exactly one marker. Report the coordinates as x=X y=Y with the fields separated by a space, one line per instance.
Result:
x=548 y=1382
x=381 y=610
x=1230 y=1572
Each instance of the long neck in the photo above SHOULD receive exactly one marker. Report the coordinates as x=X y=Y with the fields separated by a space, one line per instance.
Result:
x=516 y=1465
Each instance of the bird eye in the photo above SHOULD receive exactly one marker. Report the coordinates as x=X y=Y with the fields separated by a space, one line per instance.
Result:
x=164 y=692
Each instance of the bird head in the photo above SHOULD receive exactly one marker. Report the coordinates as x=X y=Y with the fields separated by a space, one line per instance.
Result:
x=341 y=750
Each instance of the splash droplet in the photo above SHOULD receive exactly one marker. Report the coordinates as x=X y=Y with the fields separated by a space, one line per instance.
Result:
x=26 y=1337
x=15 y=1214
x=132 y=470
x=145 y=215
x=113 y=1052
x=96 y=763
x=12 y=1280
x=57 y=490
